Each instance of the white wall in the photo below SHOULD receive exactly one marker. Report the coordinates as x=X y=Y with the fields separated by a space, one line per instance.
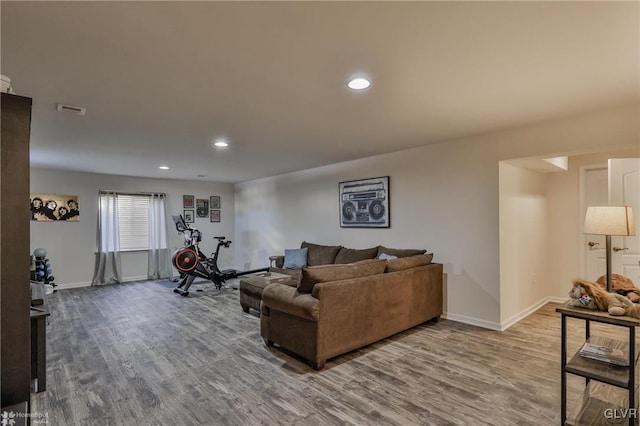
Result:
x=71 y=245
x=444 y=198
x=524 y=255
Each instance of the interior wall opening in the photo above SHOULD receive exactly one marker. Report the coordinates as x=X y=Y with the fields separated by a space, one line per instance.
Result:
x=541 y=214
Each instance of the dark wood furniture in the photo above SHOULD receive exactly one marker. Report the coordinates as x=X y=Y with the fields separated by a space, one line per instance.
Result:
x=39 y=314
x=17 y=414
x=15 y=293
x=602 y=401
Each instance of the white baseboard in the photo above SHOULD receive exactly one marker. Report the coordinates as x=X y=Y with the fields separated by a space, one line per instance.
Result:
x=139 y=278
x=491 y=325
x=523 y=314
x=73 y=285
x=88 y=283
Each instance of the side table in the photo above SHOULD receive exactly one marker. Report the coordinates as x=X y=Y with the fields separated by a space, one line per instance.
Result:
x=601 y=404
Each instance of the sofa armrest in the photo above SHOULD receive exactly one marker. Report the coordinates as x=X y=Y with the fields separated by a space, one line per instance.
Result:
x=276 y=261
x=287 y=299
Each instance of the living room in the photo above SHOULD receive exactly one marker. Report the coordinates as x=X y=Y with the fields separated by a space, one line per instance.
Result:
x=575 y=96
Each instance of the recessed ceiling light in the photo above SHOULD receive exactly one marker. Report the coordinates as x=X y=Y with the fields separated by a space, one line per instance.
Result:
x=359 y=83
x=164 y=167
x=221 y=143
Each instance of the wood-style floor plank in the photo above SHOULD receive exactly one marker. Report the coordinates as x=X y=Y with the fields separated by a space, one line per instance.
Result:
x=139 y=354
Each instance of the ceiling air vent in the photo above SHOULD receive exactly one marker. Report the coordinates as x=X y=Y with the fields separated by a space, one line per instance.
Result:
x=72 y=109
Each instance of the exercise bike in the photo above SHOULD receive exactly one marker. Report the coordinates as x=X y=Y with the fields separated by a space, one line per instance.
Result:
x=192 y=263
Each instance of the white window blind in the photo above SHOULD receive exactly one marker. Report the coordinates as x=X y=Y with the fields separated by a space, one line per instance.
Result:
x=133 y=221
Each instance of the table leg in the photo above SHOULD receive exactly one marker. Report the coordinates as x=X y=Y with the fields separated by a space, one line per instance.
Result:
x=563 y=377
x=39 y=353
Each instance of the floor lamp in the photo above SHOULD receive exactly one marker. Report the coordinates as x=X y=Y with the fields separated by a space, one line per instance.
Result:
x=609 y=221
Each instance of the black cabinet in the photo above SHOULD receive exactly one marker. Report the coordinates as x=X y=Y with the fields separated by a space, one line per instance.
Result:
x=15 y=292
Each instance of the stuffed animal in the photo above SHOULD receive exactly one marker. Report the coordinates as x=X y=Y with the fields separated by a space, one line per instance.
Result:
x=589 y=295
x=621 y=285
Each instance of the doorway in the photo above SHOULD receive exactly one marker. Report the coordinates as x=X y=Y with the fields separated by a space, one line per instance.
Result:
x=617 y=183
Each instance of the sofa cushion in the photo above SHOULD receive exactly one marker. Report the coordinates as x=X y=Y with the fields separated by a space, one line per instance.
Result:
x=295 y=258
x=402 y=263
x=399 y=252
x=347 y=255
x=311 y=275
x=319 y=254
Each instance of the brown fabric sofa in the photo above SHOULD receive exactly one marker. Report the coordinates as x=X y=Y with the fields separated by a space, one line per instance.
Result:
x=350 y=305
x=327 y=255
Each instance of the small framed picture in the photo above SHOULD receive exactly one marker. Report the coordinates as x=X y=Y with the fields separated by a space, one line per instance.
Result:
x=214 y=202
x=188 y=216
x=214 y=215
x=202 y=207
x=187 y=201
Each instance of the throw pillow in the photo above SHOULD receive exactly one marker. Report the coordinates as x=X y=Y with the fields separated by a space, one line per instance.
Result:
x=385 y=256
x=295 y=258
x=319 y=254
x=347 y=255
x=400 y=252
x=402 y=263
x=311 y=275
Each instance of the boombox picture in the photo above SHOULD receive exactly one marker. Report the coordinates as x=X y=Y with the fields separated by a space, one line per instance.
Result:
x=365 y=203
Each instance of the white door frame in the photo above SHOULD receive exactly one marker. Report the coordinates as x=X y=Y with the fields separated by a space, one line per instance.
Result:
x=583 y=207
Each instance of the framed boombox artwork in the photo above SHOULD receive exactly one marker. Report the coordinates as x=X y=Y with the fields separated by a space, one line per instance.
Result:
x=365 y=203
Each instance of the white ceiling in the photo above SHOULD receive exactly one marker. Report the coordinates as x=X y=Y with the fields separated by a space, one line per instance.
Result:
x=162 y=80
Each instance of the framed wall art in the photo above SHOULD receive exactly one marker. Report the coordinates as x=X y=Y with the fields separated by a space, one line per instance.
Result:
x=214 y=202
x=188 y=216
x=187 y=201
x=54 y=207
x=214 y=215
x=202 y=207
x=365 y=203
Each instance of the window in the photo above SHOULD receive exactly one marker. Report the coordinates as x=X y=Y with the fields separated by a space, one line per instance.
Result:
x=133 y=220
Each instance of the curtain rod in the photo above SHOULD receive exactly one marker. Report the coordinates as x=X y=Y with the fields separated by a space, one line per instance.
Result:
x=111 y=191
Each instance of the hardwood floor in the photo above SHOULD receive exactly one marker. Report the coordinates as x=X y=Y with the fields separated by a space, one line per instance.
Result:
x=139 y=354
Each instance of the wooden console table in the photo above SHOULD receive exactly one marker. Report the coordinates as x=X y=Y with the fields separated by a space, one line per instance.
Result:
x=602 y=402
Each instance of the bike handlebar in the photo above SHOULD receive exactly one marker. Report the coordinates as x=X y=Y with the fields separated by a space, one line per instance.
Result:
x=222 y=242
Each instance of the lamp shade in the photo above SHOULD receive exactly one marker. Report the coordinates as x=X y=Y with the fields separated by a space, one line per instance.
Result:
x=609 y=220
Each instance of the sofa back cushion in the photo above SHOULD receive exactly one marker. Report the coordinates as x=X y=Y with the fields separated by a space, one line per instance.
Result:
x=319 y=254
x=399 y=252
x=311 y=275
x=402 y=263
x=347 y=255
